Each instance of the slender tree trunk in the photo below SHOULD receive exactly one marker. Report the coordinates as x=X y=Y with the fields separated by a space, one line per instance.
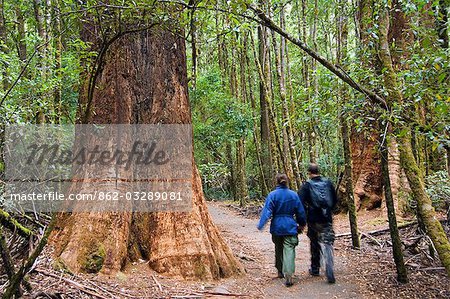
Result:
x=341 y=56
x=393 y=229
x=240 y=172
x=146 y=86
x=231 y=169
x=57 y=92
x=3 y=45
x=290 y=154
x=39 y=15
x=413 y=173
x=194 y=50
x=240 y=144
x=442 y=29
x=21 y=38
x=448 y=160
x=266 y=156
x=442 y=21
x=256 y=135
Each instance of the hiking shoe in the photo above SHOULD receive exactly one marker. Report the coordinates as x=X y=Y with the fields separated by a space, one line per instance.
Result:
x=280 y=275
x=331 y=280
x=288 y=282
x=314 y=272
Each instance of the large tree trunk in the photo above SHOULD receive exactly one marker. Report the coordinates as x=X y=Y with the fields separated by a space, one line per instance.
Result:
x=143 y=79
x=368 y=186
x=366 y=174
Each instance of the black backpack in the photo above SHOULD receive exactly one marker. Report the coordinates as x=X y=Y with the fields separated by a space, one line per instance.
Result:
x=321 y=195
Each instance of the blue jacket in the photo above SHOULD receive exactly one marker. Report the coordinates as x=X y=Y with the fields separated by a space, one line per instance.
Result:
x=281 y=205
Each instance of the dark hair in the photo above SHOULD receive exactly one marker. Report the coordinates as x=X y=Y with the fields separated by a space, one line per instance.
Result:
x=313 y=168
x=282 y=179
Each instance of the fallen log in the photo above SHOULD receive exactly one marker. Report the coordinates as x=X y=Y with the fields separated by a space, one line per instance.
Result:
x=379 y=231
x=384 y=230
x=12 y=224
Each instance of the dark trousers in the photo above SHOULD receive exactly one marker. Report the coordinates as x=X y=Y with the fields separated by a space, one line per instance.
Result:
x=321 y=237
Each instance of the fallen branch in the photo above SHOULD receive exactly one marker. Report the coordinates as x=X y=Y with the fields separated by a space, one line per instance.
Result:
x=157 y=283
x=223 y=294
x=83 y=288
x=384 y=230
x=371 y=238
x=9 y=222
x=379 y=231
x=431 y=268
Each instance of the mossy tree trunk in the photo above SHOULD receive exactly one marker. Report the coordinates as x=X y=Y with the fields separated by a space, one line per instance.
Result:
x=341 y=56
x=402 y=275
x=142 y=79
x=412 y=171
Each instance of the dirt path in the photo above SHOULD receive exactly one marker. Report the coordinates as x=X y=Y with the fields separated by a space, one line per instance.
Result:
x=236 y=228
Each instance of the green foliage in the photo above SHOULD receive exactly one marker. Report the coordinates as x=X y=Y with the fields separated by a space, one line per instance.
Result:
x=438 y=188
x=215 y=179
x=218 y=118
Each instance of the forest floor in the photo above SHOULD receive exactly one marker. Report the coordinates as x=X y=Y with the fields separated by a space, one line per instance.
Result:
x=365 y=273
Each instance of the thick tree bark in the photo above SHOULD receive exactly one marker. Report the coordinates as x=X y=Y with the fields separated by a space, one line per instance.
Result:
x=413 y=173
x=143 y=79
x=366 y=171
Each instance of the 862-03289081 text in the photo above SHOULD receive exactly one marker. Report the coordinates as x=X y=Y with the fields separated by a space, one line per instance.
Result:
x=99 y=196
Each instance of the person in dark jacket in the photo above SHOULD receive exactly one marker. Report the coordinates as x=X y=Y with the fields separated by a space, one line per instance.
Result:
x=282 y=204
x=319 y=198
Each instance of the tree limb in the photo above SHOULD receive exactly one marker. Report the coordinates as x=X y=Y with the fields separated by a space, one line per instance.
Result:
x=9 y=222
x=335 y=69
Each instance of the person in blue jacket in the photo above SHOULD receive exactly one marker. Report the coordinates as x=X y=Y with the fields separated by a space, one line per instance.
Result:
x=288 y=219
